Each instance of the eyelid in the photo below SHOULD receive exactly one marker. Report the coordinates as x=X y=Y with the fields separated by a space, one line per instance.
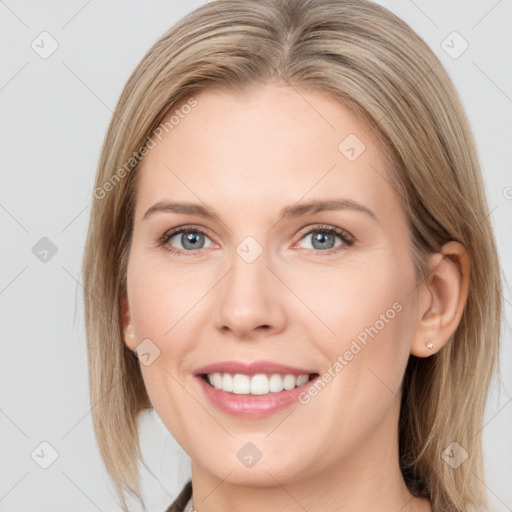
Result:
x=346 y=237
x=342 y=233
x=162 y=240
x=185 y=227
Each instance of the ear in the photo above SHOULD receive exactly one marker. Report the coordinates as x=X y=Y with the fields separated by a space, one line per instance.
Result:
x=442 y=299
x=128 y=330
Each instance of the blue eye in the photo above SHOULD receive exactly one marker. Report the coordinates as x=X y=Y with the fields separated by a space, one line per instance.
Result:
x=192 y=240
x=323 y=239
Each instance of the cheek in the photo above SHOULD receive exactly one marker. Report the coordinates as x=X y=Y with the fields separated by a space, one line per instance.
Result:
x=162 y=298
x=372 y=316
x=161 y=306
x=367 y=357
x=167 y=308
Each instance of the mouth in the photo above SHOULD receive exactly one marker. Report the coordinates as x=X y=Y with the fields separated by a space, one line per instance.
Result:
x=257 y=384
x=254 y=389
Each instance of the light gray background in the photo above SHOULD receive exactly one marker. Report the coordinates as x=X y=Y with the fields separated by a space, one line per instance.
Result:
x=54 y=114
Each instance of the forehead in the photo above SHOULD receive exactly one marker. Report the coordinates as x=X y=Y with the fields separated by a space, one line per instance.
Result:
x=269 y=144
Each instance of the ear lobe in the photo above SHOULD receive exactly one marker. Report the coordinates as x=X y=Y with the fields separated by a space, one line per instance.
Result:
x=444 y=295
x=128 y=330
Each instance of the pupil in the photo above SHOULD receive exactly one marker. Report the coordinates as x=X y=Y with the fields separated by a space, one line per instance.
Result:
x=321 y=237
x=191 y=238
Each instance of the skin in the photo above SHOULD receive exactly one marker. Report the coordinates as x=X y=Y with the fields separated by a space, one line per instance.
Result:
x=247 y=156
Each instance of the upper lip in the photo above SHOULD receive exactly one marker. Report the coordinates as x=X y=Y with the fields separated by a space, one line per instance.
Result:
x=253 y=368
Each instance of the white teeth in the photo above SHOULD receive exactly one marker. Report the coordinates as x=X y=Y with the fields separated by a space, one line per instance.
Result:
x=276 y=383
x=289 y=381
x=302 y=379
x=259 y=384
x=227 y=382
x=217 y=380
x=241 y=384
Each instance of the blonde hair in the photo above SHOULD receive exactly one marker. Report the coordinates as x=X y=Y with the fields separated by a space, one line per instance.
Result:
x=376 y=65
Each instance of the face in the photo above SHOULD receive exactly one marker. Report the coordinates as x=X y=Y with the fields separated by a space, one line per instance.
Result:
x=328 y=292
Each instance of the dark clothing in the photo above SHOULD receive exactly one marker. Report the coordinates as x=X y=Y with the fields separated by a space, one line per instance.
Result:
x=179 y=504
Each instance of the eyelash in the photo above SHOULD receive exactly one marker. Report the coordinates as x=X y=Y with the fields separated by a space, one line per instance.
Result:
x=346 y=238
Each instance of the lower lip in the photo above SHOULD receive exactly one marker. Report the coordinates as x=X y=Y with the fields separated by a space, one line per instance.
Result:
x=252 y=406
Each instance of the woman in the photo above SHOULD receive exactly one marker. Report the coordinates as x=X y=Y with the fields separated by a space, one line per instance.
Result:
x=290 y=232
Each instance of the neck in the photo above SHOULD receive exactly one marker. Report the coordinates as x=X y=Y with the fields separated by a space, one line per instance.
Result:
x=367 y=478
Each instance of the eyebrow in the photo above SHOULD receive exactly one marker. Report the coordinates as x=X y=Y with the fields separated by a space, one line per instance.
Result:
x=294 y=211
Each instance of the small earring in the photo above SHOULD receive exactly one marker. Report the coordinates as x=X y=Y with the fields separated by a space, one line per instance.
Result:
x=130 y=331
x=430 y=345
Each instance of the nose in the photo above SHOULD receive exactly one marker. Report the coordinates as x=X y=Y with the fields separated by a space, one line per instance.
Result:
x=249 y=299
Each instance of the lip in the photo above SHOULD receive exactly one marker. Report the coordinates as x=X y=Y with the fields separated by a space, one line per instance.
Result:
x=253 y=368
x=252 y=406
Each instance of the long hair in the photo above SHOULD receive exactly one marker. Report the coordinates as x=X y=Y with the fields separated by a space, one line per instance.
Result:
x=373 y=63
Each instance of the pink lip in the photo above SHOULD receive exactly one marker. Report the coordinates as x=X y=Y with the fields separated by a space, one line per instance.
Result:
x=267 y=367
x=251 y=406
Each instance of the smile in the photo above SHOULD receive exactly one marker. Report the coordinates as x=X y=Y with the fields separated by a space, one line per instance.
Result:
x=240 y=398
x=258 y=384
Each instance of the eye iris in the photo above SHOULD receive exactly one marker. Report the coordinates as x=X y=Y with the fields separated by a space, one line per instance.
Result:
x=193 y=238
x=321 y=237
